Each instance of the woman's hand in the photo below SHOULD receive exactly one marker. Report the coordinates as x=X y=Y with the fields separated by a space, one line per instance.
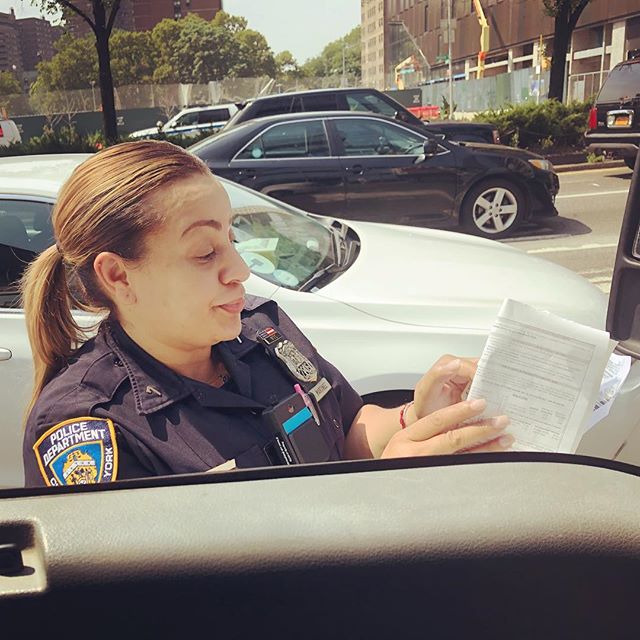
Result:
x=441 y=386
x=440 y=433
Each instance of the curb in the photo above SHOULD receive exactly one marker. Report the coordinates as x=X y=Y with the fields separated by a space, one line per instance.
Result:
x=585 y=166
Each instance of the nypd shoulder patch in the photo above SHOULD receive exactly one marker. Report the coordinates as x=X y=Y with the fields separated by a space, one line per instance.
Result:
x=78 y=451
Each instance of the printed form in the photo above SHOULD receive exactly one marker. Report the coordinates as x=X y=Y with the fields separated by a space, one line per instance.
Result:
x=546 y=374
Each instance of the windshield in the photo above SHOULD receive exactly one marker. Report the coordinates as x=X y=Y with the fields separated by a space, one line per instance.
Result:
x=622 y=83
x=278 y=243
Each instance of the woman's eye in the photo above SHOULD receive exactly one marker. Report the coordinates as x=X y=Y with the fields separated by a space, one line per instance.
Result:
x=206 y=258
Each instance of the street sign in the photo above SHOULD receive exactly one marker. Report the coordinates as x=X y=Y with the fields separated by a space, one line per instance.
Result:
x=443 y=58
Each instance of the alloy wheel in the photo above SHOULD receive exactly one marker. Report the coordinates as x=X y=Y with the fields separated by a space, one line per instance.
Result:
x=495 y=210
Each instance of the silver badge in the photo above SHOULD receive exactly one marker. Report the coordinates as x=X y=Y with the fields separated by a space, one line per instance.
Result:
x=296 y=362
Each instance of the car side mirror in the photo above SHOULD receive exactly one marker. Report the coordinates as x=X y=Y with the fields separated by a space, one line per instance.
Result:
x=623 y=314
x=159 y=124
x=429 y=149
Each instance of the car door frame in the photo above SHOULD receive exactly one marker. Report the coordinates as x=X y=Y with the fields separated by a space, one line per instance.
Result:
x=251 y=165
x=448 y=219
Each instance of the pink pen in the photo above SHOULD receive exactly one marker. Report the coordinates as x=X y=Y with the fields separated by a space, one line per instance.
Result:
x=307 y=402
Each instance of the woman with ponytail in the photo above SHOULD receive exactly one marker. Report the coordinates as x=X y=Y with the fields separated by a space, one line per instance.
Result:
x=186 y=373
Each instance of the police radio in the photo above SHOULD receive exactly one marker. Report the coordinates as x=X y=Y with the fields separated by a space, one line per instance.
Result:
x=298 y=437
x=295 y=421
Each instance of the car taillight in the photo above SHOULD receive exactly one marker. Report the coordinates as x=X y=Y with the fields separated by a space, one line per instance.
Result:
x=593 y=118
x=1 y=132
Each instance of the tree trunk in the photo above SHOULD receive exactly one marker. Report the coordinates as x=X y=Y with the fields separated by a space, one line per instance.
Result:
x=106 y=87
x=561 y=39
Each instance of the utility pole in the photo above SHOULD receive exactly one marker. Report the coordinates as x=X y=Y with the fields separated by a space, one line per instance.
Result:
x=344 y=64
x=450 y=61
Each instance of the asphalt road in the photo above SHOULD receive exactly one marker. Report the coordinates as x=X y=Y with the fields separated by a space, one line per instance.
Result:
x=584 y=236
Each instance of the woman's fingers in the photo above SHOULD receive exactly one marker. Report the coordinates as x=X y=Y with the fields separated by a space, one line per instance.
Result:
x=503 y=443
x=445 y=419
x=466 y=438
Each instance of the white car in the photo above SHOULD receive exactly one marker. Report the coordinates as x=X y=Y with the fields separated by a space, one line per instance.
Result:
x=190 y=122
x=382 y=302
x=9 y=133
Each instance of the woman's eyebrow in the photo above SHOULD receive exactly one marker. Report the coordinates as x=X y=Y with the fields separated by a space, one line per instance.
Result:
x=202 y=223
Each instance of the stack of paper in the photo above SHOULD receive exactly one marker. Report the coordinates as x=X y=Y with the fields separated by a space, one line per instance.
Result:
x=546 y=374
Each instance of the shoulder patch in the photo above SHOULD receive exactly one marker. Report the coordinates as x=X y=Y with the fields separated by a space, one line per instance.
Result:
x=78 y=451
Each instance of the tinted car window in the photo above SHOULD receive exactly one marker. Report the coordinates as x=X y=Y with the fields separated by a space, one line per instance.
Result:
x=213 y=115
x=623 y=82
x=369 y=137
x=293 y=140
x=25 y=229
x=361 y=101
x=187 y=119
x=320 y=102
x=272 y=107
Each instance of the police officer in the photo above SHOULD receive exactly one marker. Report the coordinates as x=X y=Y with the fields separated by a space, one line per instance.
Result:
x=186 y=373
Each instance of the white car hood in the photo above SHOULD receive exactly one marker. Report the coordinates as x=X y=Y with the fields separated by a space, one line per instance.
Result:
x=433 y=278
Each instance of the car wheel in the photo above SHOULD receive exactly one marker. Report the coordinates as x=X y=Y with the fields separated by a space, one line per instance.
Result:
x=630 y=162
x=493 y=209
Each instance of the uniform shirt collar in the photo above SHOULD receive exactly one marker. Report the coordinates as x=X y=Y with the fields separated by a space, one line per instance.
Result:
x=155 y=386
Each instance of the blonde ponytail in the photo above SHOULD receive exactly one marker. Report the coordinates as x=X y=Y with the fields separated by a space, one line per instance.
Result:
x=52 y=331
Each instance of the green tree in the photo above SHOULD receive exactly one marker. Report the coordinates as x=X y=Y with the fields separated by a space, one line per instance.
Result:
x=100 y=15
x=254 y=56
x=565 y=14
x=341 y=55
x=287 y=65
x=230 y=23
x=9 y=84
x=164 y=40
x=203 y=51
x=134 y=57
x=74 y=66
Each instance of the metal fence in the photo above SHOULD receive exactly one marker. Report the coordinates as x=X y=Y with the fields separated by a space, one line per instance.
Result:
x=584 y=86
x=471 y=96
x=168 y=97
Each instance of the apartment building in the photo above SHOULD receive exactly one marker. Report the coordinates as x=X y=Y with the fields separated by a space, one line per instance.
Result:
x=606 y=32
x=10 y=54
x=143 y=15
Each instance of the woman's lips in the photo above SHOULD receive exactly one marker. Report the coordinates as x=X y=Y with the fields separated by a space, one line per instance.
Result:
x=233 y=307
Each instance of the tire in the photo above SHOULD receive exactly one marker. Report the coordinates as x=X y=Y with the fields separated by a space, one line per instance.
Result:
x=630 y=162
x=494 y=209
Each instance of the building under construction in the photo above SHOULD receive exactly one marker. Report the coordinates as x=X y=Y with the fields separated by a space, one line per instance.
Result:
x=407 y=42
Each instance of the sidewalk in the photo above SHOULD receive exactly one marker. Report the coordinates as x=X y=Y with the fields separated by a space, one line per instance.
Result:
x=584 y=166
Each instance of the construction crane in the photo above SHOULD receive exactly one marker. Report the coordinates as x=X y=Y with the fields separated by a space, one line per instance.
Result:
x=408 y=65
x=484 y=38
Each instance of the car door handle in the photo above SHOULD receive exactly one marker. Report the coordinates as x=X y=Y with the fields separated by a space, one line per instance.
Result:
x=5 y=354
x=356 y=169
x=247 y=173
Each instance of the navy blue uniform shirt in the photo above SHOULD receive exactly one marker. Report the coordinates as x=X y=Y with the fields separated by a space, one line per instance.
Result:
x=115 y=412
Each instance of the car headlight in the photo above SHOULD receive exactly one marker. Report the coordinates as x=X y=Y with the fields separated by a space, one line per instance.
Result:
x=541 y=163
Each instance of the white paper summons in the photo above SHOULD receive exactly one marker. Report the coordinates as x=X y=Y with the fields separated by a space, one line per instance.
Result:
x=544 y=372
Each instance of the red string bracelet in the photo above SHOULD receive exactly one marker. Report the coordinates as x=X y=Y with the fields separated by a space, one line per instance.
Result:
x=403 y=411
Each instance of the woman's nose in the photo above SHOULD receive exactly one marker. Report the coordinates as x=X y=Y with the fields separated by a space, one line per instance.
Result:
x=236 y=269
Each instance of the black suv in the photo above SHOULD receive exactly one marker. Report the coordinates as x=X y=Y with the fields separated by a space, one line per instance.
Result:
x=349 y=99
x=614 y=121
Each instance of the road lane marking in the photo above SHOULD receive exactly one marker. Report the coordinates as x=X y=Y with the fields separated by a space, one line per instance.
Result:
x=583 y=247
x=590 y=195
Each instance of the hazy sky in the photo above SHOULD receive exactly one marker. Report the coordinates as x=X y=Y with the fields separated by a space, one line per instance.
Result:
x=302 y=26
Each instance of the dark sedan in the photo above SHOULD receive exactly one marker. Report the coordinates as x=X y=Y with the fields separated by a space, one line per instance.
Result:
x=370 y=167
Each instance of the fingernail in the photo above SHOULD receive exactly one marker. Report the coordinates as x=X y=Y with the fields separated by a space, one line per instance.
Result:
x=478 y=405
x=506 y=441
x=501 y=422
x=452 y=366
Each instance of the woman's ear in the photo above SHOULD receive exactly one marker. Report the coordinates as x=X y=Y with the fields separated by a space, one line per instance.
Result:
x=113 y=277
